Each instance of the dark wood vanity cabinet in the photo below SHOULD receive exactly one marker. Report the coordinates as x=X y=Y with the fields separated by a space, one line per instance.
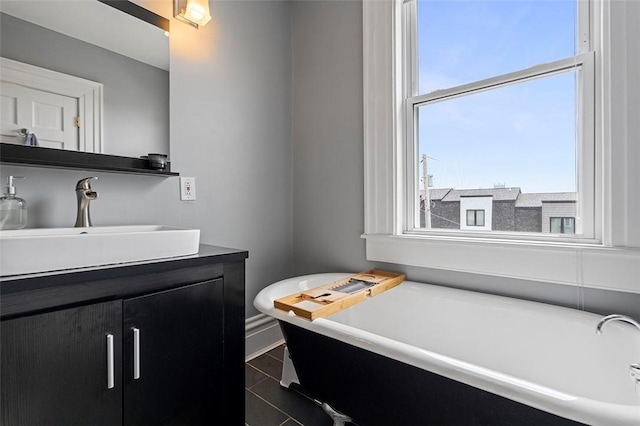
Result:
x=172 y=370
x=167 y=347
x=54 y=367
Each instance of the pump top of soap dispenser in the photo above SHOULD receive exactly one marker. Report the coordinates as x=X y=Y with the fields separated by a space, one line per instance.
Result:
x=10 y=189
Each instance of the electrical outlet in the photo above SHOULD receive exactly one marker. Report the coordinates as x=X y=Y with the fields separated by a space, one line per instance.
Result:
x=187 y=188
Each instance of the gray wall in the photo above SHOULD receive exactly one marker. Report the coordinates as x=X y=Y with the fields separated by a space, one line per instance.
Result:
x=528 y=219
x=327 y=133
x=231 y=128
x=504 y=215
x=136 y=95
x=441 y=211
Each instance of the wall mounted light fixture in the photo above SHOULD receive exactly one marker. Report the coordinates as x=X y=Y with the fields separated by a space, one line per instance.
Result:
x=193 y=12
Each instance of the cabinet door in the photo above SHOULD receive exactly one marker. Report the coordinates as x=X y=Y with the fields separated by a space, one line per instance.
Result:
x=173 y=356
x=56 y=367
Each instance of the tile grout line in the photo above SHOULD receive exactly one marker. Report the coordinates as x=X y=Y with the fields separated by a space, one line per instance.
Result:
x=276 y=358
x=266 y=374
x=277 y=408
x=255 y=384
x=289 y=417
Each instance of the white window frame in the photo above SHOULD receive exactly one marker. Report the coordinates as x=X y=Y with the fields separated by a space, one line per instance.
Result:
x=610 y=259
x=583 y=62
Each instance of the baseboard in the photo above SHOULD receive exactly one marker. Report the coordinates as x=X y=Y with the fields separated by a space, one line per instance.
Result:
x=262 y=333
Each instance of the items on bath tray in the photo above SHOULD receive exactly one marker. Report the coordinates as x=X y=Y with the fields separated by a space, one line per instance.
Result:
x=330 y=298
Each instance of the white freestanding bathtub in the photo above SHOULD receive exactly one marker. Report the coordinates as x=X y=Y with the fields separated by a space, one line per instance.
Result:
x=425 y=354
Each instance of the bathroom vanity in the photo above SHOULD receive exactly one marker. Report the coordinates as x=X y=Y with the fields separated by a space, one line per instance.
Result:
x=159 y=342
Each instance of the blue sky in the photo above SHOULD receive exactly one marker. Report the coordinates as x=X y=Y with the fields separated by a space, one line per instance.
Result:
x=522 y=135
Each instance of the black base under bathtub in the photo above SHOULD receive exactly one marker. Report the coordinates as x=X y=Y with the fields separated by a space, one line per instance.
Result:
x=375 y=390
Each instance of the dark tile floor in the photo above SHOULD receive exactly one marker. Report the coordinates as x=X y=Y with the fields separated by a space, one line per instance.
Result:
x=269 y=404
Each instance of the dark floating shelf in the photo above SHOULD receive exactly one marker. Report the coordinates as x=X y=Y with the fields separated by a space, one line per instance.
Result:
x=59 y=158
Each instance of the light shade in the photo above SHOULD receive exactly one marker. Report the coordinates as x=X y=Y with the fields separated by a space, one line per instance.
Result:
x=193 y=12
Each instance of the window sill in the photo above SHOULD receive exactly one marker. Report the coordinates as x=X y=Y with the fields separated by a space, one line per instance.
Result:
x=594 y=266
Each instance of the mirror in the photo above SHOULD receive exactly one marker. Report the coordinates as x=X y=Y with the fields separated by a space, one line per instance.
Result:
x=98 y=42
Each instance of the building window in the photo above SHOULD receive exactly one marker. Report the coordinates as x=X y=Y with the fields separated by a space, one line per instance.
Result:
x=487 y=99
x=475 y=217
x=563 y=225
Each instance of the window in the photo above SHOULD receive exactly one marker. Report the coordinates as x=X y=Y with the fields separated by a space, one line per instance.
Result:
x=475 y=217
x=408 y=225
x=492 y=87
x=562 y=225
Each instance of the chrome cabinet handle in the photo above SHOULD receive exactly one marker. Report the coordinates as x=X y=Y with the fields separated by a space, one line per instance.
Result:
x=635 y=372
x=136 y=353
x=110 y=363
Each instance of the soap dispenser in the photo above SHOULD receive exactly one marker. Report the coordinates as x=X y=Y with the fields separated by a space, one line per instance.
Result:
x=13 y=210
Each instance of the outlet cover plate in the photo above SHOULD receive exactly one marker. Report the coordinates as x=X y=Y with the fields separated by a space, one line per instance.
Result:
x=187 y=188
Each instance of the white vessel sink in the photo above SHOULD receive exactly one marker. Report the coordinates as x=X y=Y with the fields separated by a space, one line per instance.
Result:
x=28 y=251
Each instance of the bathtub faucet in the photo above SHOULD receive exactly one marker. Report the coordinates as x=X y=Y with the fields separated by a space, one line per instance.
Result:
x=634 y=369
x=615 y=317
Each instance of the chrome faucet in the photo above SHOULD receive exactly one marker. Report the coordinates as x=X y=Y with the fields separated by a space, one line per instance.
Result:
x=615 y=317
x=634 y=368
x=85 y=194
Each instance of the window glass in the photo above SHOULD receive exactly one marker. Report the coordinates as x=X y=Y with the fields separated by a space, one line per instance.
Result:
x=516 y=143
x=460 y=41
x=508 y=129
x=568 y=225
x=563 y=225
x=475 y=217
x=471 y=217
x=520 y=135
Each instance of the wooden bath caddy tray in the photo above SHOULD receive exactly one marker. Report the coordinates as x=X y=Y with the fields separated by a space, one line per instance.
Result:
x=330 y=298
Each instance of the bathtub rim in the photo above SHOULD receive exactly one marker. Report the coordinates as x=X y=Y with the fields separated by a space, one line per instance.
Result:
x=563 y=404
